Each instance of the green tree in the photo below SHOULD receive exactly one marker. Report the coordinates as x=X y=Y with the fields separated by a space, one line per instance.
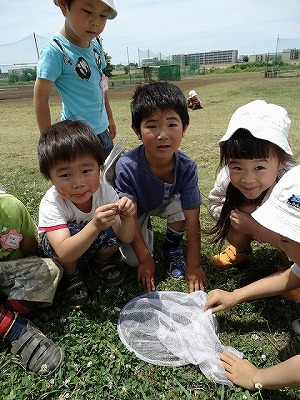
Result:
x=13 y=78
x=109 y=67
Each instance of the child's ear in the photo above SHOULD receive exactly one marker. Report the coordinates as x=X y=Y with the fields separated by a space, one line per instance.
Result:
x=62 y=5
x=138 y=134
x=185 y=129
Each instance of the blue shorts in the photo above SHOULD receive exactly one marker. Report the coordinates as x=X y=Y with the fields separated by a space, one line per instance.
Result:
x=106 y=238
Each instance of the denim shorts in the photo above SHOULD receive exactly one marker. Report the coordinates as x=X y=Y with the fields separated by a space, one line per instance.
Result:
x=107 y=142
x=106 y=238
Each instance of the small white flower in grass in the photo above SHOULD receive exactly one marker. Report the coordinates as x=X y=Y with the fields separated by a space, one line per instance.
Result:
x=263 y=357
x=123 y=390
x=89 y=364
x=112 y=356
x=128 y=366
x=67 y=395
x=254 y=336
x=66 y=382
x=245 y=397
x=51 y=382
x=44 y=369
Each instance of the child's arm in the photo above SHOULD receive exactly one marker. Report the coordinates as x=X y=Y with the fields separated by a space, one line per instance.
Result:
x=29 y=246
x=195 y=275
x=243 y=373
x=146 y=267
x=70 y=248
x=112 y=125
x=217 y=195
x=42 y=90
x=124 y=227
x=220 y=300
x=245 y=223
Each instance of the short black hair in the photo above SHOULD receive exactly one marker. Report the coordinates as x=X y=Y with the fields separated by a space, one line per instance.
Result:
x=157 y=96
x=66 y=141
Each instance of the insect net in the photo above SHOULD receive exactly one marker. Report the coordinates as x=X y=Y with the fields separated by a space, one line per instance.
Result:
x=171 y=329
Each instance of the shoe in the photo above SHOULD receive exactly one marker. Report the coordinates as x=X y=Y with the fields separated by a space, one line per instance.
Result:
x=38 y=353
x=109 y=273
x=229 y=258
x=74 y=291
x=175 y=262
x=291 y=295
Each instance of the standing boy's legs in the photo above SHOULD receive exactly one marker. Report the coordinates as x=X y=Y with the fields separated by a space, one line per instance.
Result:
x=107 y=142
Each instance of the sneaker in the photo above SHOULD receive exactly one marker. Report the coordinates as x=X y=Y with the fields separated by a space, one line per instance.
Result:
x=229 y=258
x=175 y=262
x=74 y=291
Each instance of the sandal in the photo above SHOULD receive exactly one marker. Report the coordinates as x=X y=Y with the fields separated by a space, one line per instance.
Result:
x=229 y=258
x=75 y=291
x=109 y=273
x=38 y=353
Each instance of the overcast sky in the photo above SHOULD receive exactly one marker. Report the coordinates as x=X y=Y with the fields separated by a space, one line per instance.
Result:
x=167 y=26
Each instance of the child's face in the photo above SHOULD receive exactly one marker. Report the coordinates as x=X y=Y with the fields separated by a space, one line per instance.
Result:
x=85 y=19
x=161 y=134
x=253 y=177
x=77 y=180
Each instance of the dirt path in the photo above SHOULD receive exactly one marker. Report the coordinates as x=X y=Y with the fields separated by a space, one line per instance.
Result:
x=24 y=94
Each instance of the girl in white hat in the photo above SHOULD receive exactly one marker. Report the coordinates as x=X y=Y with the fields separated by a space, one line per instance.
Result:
x=255 y=154
x=277 y=221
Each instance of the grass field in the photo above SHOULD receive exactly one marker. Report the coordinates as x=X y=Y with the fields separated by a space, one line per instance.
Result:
x=97 y=365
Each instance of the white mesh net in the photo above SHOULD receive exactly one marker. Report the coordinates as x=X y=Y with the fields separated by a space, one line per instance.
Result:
x=171 y=329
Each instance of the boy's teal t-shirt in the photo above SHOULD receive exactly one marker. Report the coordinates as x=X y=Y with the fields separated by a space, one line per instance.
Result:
x=77 y=74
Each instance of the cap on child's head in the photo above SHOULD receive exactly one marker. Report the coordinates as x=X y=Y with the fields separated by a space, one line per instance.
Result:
x=264 y=121
x=281 y=212
x=192 y=93
x=110 y=3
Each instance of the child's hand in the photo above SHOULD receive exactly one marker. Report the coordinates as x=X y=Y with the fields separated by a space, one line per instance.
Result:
x=125 y=208
x=240 y=372
x=195 y=278
x=243 y=222
x=105 y=216
x=145 y=275
x=220 y=300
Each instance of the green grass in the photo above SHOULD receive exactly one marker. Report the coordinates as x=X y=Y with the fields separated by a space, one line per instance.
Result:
x=97 y=365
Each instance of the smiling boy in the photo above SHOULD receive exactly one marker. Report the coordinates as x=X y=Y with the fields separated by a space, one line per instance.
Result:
x=79 y=217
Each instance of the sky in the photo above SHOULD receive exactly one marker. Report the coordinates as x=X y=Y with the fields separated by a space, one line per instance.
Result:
x=167 y=26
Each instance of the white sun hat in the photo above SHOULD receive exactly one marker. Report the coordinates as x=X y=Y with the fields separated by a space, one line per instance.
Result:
x=192 y=93
x=110 y=3
x=281 y=212
x=263 y=120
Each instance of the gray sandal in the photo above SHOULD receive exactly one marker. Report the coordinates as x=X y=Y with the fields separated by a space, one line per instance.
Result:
x=38 y=353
